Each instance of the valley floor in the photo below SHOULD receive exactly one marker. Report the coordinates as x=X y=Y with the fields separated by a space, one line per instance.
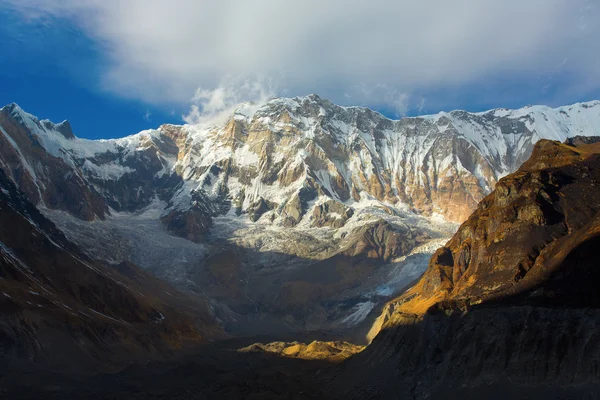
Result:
x=221 y=371
x=213 y=371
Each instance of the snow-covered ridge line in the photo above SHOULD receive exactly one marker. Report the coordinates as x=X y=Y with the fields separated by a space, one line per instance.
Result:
x=278 y=157
x=248 y=110
x=57 y=144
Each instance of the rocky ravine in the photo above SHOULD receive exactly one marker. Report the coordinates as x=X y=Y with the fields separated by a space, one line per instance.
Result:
x=509 y=306
x=296 y=215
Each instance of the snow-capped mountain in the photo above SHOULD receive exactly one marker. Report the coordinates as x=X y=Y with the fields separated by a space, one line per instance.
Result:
x=290 y=209
x=287 y=158
x=291 y=154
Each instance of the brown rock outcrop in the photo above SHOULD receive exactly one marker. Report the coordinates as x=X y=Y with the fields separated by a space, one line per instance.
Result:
x=509 y=237
x=510 y=303
x=316 y=350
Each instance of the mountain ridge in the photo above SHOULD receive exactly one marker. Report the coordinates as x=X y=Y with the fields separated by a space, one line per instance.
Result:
x=399 y=179
x=509 y=305
x=497 y=110
x=60 y=306
x=277 y=195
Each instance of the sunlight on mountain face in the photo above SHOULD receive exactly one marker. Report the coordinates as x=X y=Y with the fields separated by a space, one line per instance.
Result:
x=261 y=242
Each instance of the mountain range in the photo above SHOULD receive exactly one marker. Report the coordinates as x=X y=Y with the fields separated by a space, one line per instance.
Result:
x=294 y=215
x=299 y=219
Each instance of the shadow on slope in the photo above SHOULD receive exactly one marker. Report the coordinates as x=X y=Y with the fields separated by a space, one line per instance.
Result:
x=215 y=371
x=63 y=309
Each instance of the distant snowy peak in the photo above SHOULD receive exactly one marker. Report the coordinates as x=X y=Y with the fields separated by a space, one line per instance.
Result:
x=308 y=148
x=59 y=139
x=289 y=161
x=494 y=133
x=85 y=177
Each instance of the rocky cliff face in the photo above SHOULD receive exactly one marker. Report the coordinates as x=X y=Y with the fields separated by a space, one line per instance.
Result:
x=46 y=179
x=509 y=305
x=291 y=152
x=519 y=234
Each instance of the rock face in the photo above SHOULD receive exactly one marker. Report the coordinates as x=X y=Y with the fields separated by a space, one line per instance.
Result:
x=510 y=303
x=60 y=307
x=518 y=235
x=380 y=240
x=46 y=179
x=192 y=223
x=331 y=213
x=291 y=151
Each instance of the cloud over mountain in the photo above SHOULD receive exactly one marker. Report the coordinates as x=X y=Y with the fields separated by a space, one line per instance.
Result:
x=377 y=53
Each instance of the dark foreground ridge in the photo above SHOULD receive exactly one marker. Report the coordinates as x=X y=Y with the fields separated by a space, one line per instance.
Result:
x=509 y=307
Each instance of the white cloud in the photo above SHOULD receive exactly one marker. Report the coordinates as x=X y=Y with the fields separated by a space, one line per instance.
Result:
x=214 y=106
x=161 y=51
x=380 y=95
x=421 y=105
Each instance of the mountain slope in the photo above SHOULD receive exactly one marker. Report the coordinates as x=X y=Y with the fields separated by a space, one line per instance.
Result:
x=60 y=307
x=520 y=234
x=509 y=306
x=290 y=152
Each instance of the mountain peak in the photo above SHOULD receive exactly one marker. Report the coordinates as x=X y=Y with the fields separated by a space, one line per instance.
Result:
x=14 y=110
x=11 y=107
x=64 y=128
x=313 y=97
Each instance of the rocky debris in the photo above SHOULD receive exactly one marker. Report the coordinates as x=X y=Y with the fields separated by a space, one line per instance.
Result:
x=381 y=240
x=192 y=223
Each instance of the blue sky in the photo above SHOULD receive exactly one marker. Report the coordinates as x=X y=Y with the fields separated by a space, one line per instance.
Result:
x=114 y=68
x=51 y=70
